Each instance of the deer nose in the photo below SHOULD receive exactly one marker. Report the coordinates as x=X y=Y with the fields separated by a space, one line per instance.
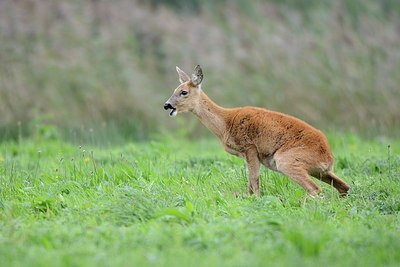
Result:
x=168 y=106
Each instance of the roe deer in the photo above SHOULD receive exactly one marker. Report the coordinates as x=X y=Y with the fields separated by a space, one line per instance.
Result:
x=280 y=142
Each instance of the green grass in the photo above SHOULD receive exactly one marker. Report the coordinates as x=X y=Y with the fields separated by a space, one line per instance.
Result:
x=184 y=203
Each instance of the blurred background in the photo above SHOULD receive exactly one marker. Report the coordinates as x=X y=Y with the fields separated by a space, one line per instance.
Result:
x=103 y=69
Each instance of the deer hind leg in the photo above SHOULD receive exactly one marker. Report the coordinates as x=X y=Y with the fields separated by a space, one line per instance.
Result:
x=300 y=176
x=295 y=171
x=253 y=166
x=330 y=178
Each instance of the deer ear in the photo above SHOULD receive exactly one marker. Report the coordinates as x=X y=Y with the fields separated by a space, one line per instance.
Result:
x=197 y=75
x=183 y=77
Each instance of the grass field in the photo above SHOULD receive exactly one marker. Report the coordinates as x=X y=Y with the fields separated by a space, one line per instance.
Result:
x=172 y=202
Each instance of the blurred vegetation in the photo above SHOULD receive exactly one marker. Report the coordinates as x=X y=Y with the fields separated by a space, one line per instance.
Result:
x=108 y=66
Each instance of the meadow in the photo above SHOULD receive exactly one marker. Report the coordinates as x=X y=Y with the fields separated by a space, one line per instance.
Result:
x=178 y=202
x=94 y=173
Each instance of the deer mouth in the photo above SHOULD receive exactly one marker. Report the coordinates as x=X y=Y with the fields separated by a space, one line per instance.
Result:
x=173 y=112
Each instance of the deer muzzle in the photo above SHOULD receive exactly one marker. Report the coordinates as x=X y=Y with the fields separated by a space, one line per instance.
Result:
x=168 y=106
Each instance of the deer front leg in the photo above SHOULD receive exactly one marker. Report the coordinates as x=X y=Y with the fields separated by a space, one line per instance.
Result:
x=253 y=166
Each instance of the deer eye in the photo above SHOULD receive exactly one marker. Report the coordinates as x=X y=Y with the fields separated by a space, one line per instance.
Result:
x=184 y=93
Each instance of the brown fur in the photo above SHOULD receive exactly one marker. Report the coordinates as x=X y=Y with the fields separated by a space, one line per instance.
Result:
x=280 y=142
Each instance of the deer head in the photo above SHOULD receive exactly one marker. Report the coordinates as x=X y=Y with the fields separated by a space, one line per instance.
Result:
x=186 y=96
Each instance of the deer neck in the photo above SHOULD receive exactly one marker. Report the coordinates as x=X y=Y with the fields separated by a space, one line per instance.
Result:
x=211 y=115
